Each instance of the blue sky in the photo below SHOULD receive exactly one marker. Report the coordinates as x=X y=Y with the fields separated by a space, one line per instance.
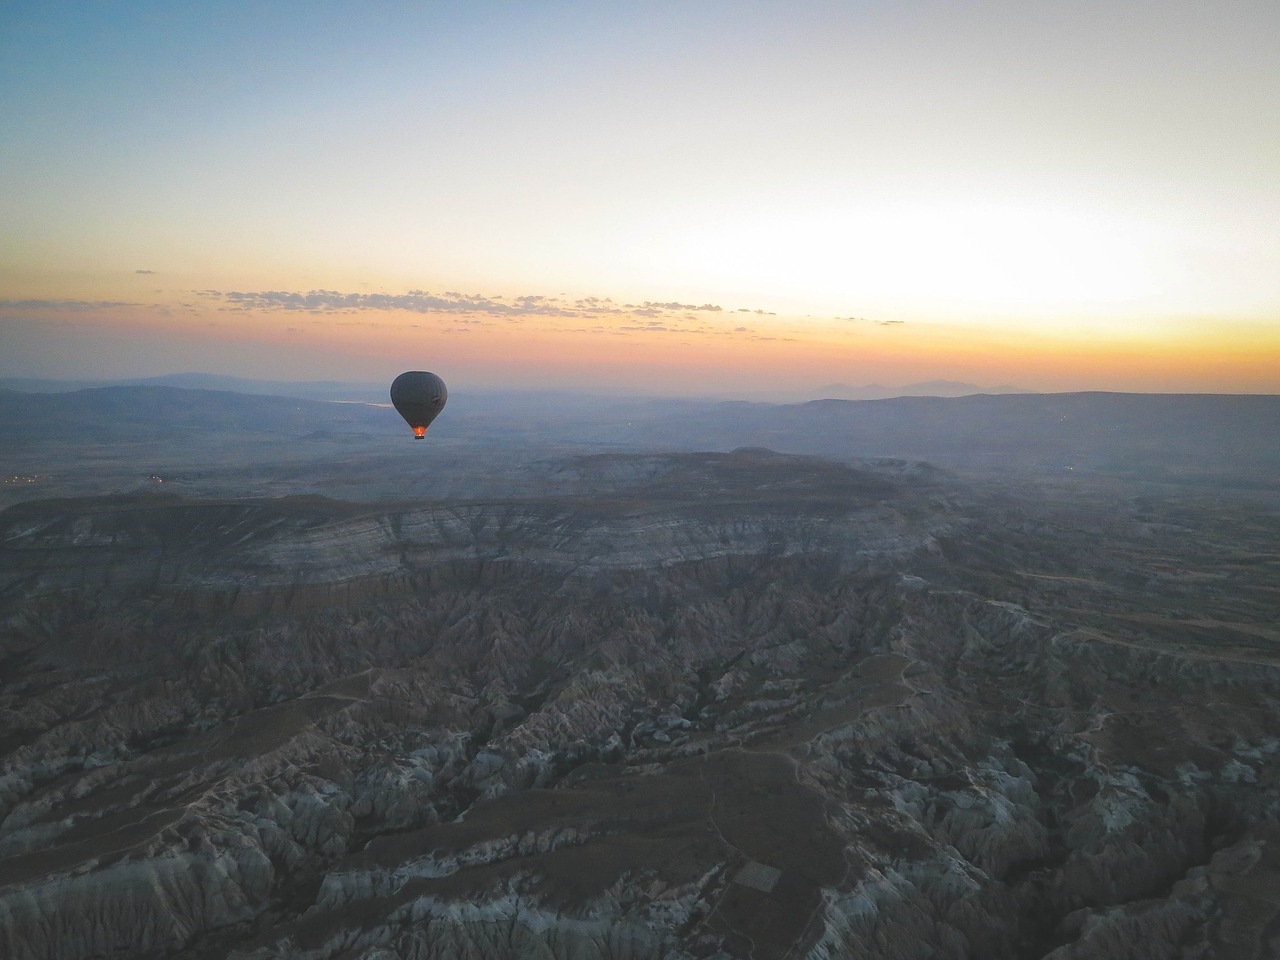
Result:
x=1078 y=172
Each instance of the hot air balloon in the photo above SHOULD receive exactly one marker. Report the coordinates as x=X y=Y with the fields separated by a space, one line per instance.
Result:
x=419 y=397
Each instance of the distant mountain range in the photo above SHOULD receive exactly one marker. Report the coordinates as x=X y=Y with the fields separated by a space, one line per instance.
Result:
x=1178 y=437
x=372 y=391
x=1157 y=436
x=310 y=389
x=928 y=388
x=150 y=412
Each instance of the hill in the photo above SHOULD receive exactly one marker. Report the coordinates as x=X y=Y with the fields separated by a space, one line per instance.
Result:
x=1157 y=436
x=1174 y=438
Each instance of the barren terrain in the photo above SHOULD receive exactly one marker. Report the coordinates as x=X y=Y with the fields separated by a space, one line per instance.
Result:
x=545 y=702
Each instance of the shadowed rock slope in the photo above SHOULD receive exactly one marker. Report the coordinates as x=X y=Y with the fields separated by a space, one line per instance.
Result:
x=685 y=706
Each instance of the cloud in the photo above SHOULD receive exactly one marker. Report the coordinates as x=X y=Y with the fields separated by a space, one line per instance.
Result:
x=144 y=271
x=651 y=305
x=467 y=305
x=64 y=304
x=415 y=301
x=883 y=323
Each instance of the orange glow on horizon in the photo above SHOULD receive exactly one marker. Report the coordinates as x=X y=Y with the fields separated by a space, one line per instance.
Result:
x=664 y=349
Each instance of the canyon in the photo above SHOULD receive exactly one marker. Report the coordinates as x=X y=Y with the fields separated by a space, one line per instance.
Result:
x=643 y=704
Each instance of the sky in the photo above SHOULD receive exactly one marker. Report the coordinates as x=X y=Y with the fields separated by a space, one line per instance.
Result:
x=699 y=197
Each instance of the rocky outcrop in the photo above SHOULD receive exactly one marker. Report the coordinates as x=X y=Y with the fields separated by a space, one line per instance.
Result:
x=691 y=706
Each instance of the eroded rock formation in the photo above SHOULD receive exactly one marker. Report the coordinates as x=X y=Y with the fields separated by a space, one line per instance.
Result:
x=690 y=706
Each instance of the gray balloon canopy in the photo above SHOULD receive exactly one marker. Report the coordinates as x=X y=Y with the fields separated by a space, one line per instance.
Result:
x=419 y=397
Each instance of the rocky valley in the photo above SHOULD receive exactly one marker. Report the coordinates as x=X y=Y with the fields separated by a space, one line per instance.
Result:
x=643 y=704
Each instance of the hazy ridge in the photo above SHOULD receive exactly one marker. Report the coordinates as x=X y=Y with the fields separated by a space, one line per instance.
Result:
x=1200 y=438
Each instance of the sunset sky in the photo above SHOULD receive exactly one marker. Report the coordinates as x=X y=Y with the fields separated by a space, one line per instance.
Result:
x=694 y=197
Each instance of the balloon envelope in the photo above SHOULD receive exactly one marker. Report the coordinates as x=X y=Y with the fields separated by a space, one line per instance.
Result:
x=419 y=397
